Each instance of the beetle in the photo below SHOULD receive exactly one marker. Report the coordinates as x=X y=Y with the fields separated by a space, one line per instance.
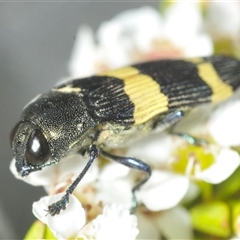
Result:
x=109 y=110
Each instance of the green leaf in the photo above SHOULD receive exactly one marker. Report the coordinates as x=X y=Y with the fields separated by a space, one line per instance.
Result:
x=48 y=233
x=36 y=231
x=206 y=190
x=212 y=218
x=39 y=230
x=229 y=188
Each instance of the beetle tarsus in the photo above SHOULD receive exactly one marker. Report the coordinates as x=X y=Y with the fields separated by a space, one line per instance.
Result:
x=55 y=208
x=134 y=203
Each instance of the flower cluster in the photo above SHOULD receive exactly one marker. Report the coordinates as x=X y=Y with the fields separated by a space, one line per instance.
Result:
x=181 y=194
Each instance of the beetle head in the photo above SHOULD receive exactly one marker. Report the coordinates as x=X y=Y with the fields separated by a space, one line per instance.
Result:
x=30 y=147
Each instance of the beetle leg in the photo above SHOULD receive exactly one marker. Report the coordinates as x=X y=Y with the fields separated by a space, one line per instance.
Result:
x=56 y=207
x=168 y=121
x=176 y=116
x=134 y=164
x=190 y=139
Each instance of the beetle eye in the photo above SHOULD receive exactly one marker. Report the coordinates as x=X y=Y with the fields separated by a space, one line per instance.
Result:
x=37 y=150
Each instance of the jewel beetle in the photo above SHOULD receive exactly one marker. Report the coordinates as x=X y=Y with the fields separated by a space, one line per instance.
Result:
x=109 y=110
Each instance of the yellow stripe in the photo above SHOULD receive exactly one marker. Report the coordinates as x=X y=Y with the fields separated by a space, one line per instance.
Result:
x=121 y=73
x=194 y=60
x=143 y=91
x=209 y=75
x=67 y=89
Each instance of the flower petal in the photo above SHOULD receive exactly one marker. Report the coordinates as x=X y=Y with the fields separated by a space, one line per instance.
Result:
x=84 y=54
x=74 y=164
x=224 y=124
x=147 y=227
x=71 y=166
x=130 y=30
x=192 y=193
x=117 y=191
x=155 y=149
x=229 y=22
x=113 y=171
x=163 y=190
x=178 y=28
x=175 y=224
x=193 y=48
x=39 y=178
x=227 y=162
x=116 y=223
x=68 y=222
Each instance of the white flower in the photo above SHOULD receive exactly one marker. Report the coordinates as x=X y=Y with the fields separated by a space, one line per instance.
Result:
x=184 y=27
x=116 y=223
x=60 y=175
x=114 y=185
x=180 y=219
x=174 y=223
x=68 y=222
x=39 y=178
x=224 y=124
x=154 y=149
x=94 y=189
x=139 y=35
x=226 y=163
x=157 y=150
x=210 y=163
x=130 y=30
x=163 y=190
x=223 y=18
x=85 y=47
